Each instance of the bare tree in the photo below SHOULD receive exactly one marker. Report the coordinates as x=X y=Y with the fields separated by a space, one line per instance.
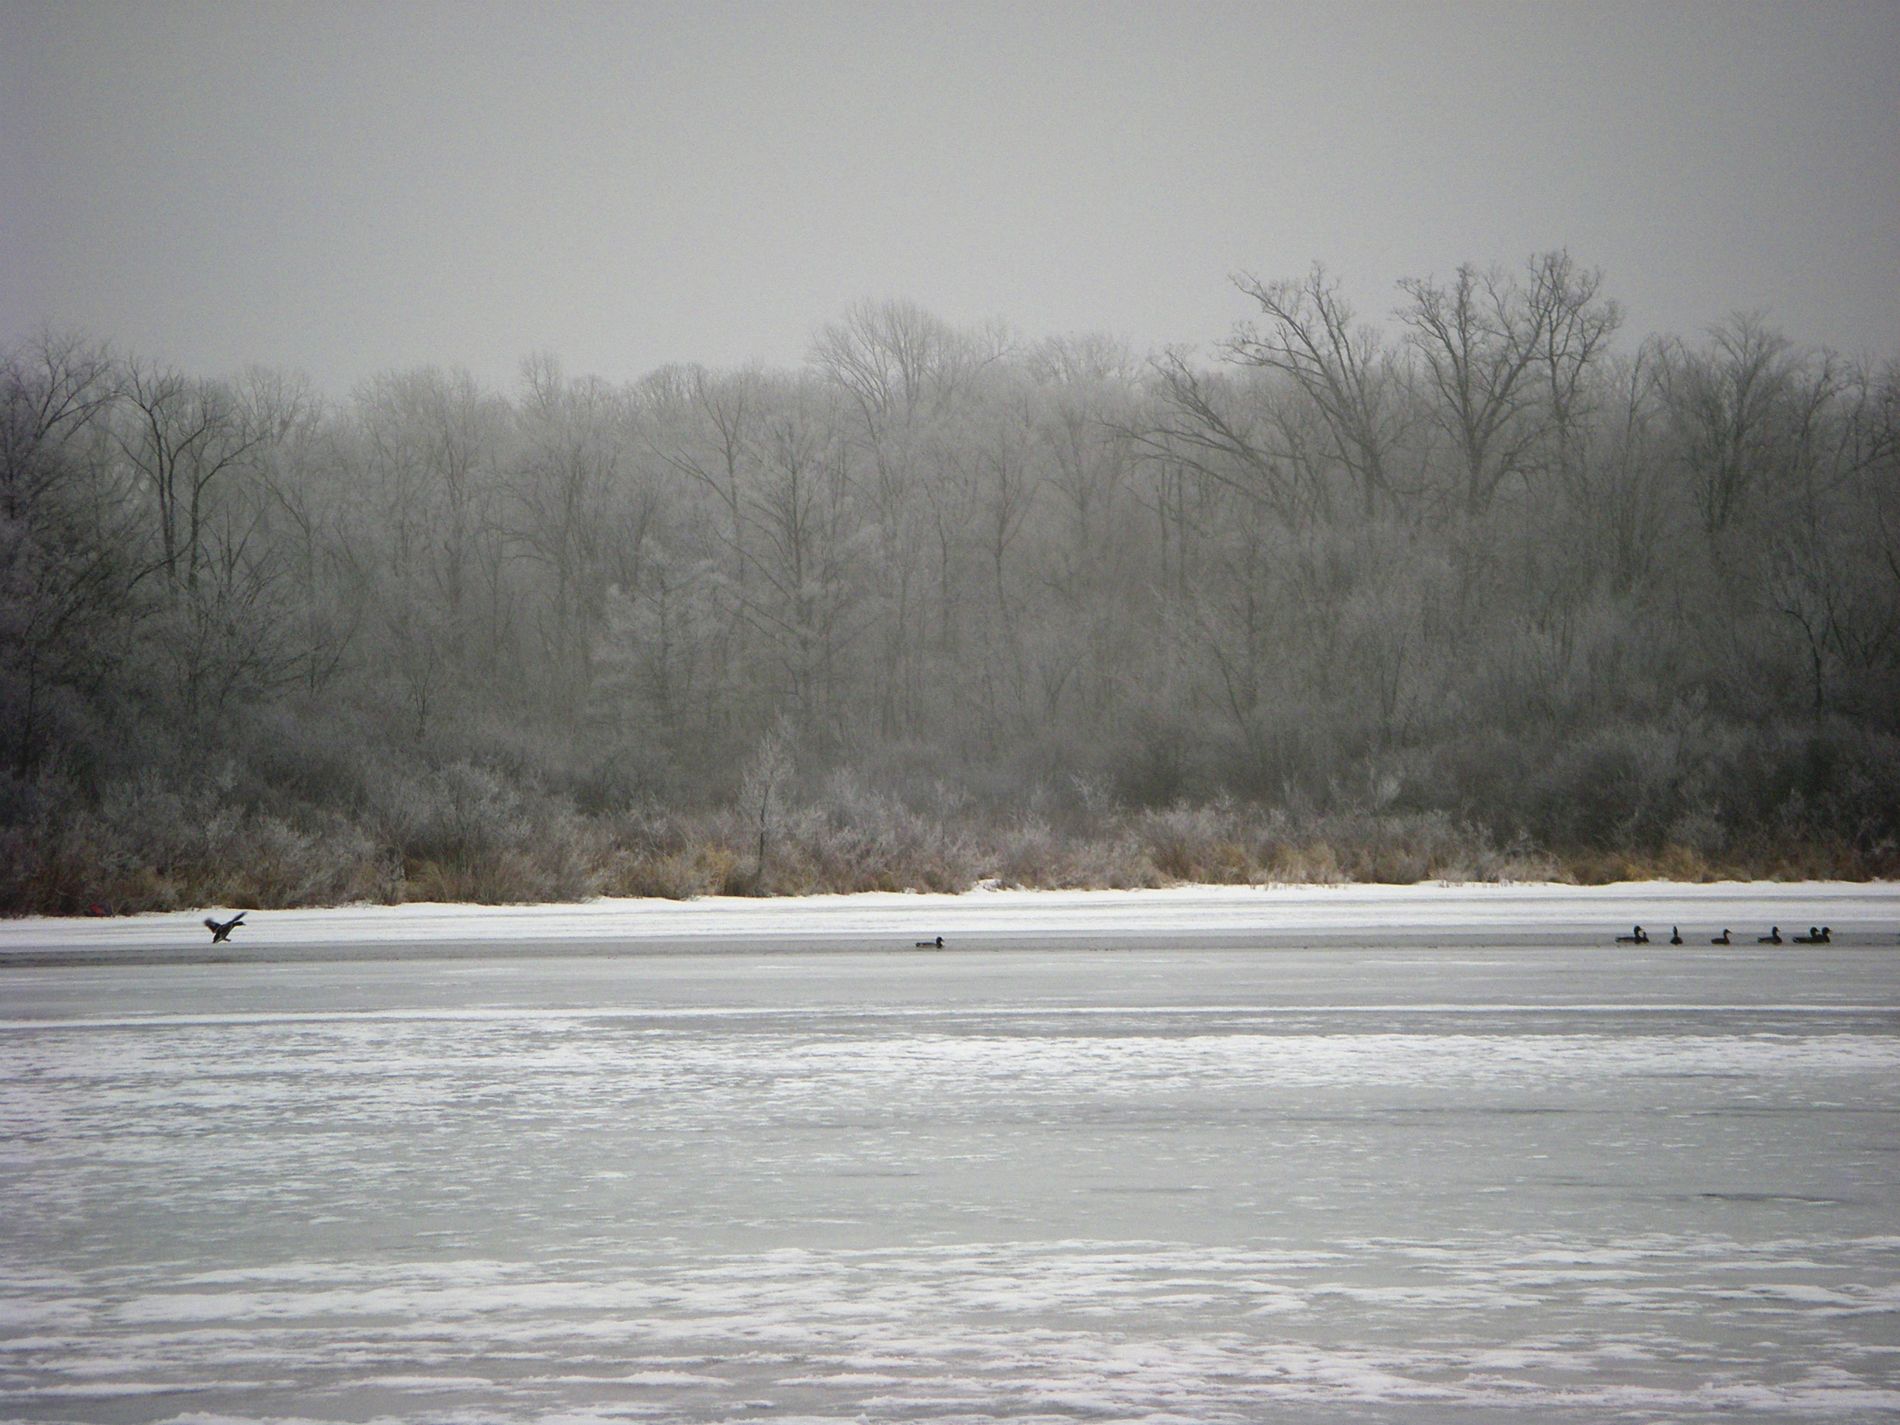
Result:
x=1724 y=405
x=1481 y=339
x=803 y=510
x=1245 y=439
x=434 y=443
x=185 y=437
x=705 y=426
x=1829 y=569
x=1619 y=487
x=1344 y=368
x=899 y=362
x=67 y=545
x=51 y=387
x=199 y=452
x=908 y=378
x=567 y=471
x=764 y=792
x=1577 y=321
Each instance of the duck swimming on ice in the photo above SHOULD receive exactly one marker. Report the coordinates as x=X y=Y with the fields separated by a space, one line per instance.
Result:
x=1635 y=937
x=1773 y=937
x=936 y=944
x=1721 y=939
x=1823 y=936
x=1675 y=935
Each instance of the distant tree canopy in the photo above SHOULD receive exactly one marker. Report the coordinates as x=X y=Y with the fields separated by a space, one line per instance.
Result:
x=1488 y=558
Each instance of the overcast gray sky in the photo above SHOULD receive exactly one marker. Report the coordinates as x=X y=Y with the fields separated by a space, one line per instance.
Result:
x=348 y=188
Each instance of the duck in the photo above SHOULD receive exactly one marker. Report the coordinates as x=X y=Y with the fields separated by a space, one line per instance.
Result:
x=1721 y=939
x=1823 y=936
x=1675 y=935
x=222 y=933
x=1636 y=937
x=1773 y=937
x=936 y=944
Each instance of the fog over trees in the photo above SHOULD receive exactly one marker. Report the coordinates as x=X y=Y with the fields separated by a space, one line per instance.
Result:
x=1479 y=585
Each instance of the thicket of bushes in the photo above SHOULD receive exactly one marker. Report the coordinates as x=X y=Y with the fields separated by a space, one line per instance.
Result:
x=470 y=832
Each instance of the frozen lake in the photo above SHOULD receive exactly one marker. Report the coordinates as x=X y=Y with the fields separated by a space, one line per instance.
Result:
x=1343 y=1183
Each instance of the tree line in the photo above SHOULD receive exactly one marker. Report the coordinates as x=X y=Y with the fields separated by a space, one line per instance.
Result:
x=1485 y=580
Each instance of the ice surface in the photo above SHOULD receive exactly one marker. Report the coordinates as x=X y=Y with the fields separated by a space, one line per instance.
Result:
x=1196 y=1184
x=1477 y=914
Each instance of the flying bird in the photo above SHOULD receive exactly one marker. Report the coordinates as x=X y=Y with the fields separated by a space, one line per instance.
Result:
x=222 y=933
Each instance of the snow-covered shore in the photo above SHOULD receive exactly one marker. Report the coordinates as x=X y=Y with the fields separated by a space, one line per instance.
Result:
x=1859 y=913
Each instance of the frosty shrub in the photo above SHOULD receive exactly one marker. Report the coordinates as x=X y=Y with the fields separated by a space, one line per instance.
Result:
x=1205 y=844
x=457 y=813
x=327 y=863
x=860 y=839
x=467 y=833
x=677 y=875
